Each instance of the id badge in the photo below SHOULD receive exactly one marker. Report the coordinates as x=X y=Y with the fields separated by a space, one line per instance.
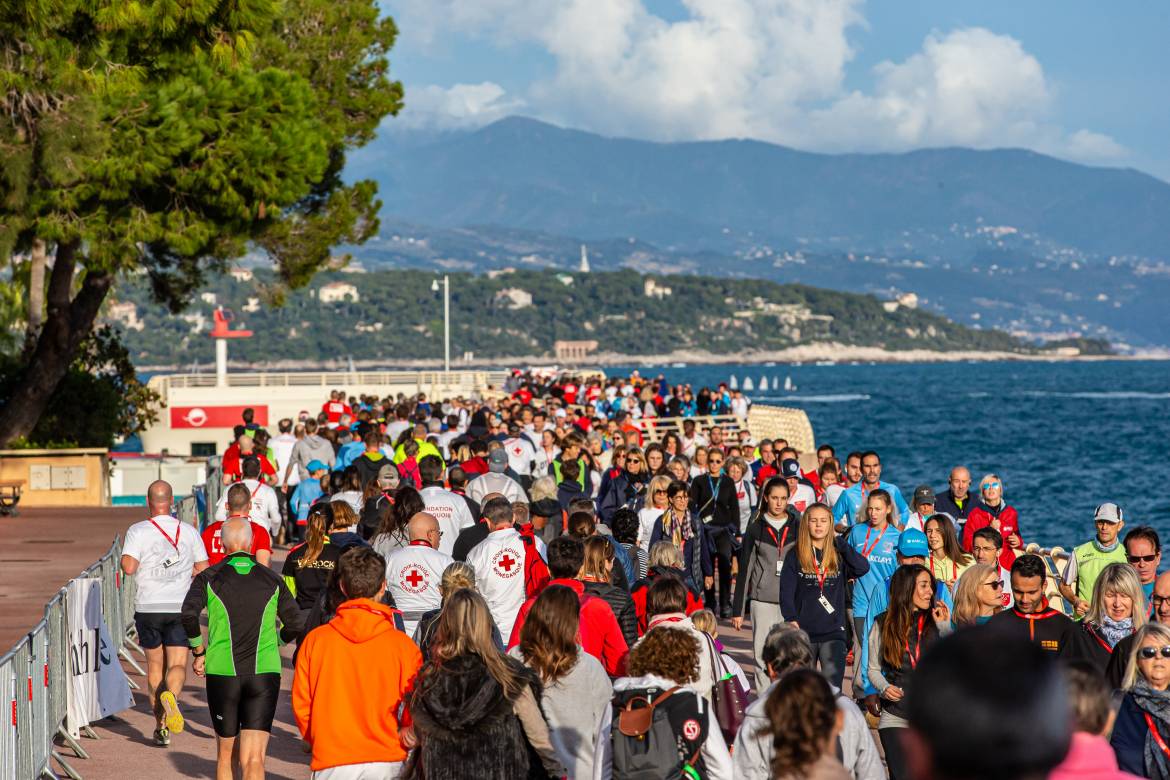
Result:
x=779 y=567
x=824 y=602
x=171 y=561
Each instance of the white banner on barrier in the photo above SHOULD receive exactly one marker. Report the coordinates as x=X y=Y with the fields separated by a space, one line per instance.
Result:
x=97 y=685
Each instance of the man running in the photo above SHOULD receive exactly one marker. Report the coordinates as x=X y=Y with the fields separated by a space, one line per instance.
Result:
x=239 y=502
x=265 y=504
x=164 y=554
x=241 y=660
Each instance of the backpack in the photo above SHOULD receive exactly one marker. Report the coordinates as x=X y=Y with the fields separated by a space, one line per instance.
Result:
x=658 y=736
x=536 y=574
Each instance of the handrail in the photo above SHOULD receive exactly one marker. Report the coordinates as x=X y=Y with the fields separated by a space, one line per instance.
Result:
x=331 y=379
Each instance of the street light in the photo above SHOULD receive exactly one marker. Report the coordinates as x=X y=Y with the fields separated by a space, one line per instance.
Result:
x=446 y=319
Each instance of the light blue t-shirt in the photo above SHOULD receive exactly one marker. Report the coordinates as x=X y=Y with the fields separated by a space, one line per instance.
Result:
x=850 y=502
x=881 y=554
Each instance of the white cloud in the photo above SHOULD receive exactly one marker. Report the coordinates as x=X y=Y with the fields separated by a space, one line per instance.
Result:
x=767 y=69
x=463 y=105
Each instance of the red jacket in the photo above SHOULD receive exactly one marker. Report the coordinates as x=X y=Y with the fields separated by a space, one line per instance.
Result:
x=231 y=463
x=600 y=634
x=1009 y=523
x=640 y=590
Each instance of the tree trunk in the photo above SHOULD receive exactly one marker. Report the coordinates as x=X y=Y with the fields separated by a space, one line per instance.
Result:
x=36 y=295
x=67 y=323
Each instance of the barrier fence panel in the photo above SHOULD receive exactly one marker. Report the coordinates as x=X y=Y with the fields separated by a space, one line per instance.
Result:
x=8 y=741
x=42 y=735
x=22 y=708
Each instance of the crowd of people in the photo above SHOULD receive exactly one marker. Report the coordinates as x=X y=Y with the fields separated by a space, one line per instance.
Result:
x=534 y=585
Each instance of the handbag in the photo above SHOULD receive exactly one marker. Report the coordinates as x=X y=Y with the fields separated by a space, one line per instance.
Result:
x=728 y=698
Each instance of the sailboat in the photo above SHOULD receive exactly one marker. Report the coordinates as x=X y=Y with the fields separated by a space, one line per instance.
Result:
x=734 y=383
x=788 y=386
x=748 y=384
x=763 y=383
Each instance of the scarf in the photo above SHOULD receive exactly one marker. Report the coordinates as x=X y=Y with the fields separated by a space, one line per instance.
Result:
x=1114 y=631
x=1157 y=705
x=678 y=529
x=1103 y=548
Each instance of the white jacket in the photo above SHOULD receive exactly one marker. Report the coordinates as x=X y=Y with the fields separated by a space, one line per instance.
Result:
x=499 y=574
x=265 y=505
x=492 y=482
x=413 y=574
x=450 y=510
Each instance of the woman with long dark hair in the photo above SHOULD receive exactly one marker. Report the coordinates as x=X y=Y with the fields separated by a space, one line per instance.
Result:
x=899 y=637
x=625 y=489
x=476 y=711
x=391 y=534
x=804 y=722
x=576 y=688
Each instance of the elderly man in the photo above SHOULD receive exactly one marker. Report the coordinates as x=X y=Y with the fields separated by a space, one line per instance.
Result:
x=164 y=554
x=958 y=499
x=413 y=572
x=241 y=659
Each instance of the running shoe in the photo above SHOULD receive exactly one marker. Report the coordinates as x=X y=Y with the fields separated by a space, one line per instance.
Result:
x=162 y=737
x=173 y=718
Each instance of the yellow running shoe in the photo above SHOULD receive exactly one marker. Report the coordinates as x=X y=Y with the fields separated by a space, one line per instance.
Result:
x=172 y=717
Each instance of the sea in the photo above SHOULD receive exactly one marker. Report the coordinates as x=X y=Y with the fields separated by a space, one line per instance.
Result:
x=1064 y=437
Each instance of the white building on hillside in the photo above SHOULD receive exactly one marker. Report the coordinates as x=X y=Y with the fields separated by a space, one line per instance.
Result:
x=337 y=292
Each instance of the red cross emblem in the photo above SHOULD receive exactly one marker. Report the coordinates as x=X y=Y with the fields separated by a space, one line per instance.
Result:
x=506 y=563
x=413 y=579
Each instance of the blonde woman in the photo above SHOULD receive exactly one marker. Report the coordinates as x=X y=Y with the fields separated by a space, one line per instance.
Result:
x=978 y=595
x=995 y=512
x=649 y=514
x=1117 y=609
x=456 y=577
x=1143 y=721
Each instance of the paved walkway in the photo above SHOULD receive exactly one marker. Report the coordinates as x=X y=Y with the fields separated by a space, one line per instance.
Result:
x=41 y=549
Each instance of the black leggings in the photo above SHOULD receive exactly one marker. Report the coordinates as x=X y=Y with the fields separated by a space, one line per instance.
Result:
x=722 y=553
x=895 y=756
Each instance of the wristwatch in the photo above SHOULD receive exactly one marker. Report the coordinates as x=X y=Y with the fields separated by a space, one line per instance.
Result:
x=195 y=654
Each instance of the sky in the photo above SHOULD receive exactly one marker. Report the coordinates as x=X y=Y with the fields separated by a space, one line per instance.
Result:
x=1078 y=79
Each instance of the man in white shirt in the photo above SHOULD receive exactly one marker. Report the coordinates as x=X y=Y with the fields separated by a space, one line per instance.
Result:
x=164 y=554
x=282 y=447
x=450 y=510
x=413 y=573
x=800 y=495
x=265 y=504
x=499 y=566
x=691 y=438
x=521 y=452
x=399 y=424
x=496 y=481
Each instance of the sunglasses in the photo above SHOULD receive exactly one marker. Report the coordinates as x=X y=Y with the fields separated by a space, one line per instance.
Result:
x=1149 y=652
x=657 y=492
x=989 y=485
x=1142 y=558
x=995 y=584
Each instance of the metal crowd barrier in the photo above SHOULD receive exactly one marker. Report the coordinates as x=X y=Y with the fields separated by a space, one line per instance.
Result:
x=34 y=677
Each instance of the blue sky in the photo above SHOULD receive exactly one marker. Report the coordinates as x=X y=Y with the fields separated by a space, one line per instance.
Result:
x=1077 y=79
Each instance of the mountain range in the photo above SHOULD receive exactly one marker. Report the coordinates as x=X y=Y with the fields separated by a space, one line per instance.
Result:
x=1083 y=250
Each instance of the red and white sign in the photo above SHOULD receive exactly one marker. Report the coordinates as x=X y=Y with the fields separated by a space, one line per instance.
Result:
x=691 y=729
x=214 y=416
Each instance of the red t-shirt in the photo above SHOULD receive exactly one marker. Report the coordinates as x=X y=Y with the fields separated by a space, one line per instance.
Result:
x=335 y=409
x=231 y=463
x=261 y=540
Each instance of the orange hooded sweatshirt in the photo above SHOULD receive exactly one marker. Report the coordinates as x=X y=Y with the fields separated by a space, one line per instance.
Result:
x=352 y=674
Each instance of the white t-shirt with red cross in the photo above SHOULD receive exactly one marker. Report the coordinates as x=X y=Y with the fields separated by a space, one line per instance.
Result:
x=499 y=574
x=413 y=574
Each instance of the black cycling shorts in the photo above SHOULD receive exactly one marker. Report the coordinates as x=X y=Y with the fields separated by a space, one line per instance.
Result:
x=160 y=629
x=242 y=702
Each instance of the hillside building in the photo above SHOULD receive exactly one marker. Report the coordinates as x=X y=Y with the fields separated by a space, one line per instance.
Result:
x=337 y=292
x=513 y=298
x=573 y=350
x=651 y=289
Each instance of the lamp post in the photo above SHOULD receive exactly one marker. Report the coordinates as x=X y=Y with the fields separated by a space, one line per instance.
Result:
x=446 y=319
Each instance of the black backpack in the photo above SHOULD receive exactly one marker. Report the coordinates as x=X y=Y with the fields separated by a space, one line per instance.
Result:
x=658 y=736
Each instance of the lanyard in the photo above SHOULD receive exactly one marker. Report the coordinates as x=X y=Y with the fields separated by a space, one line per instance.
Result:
x=865 y=551
x=783 y=537
x=175 y=542
x=917 y=644
x=714 y=487
x=1156 y=735
x=1100 y=641
x=821 y=574
x=954 y=567
x=1032 y=617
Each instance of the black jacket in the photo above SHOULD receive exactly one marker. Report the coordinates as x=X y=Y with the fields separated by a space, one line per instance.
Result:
x=1052 y=631
x=720 y=509
x=622 y=605
x=944 y=501
x=801 y=591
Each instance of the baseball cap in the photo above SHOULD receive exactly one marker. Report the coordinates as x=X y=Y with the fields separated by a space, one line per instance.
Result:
x=912 y=544
x=1109 y=512
x=790 y=468
x=316 y=465
x=498 y=460
x=923 y=494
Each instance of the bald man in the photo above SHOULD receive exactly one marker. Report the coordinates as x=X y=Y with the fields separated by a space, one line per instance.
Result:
x=163 y=553
x=957 y=500
x=241 y=657
x=413 y=572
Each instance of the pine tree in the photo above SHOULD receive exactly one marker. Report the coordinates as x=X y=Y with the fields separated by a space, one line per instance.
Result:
x=169 y=137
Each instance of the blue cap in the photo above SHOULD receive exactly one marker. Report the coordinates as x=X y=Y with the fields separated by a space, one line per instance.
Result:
x=912 y=544
x=316 y=465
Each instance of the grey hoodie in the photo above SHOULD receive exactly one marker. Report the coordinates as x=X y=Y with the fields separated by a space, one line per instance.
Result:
x=309 y=449
x=752 y=755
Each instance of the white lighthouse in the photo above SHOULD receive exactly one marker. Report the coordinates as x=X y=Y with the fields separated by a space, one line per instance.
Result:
x=584 y=260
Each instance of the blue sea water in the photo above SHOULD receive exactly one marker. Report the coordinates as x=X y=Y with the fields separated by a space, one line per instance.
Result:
x=1064 y=437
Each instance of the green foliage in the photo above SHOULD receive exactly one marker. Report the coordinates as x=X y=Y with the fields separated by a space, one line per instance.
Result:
x=700 y=314
x=99 y=398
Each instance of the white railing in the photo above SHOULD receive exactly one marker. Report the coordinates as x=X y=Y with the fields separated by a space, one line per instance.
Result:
x=423 y=380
